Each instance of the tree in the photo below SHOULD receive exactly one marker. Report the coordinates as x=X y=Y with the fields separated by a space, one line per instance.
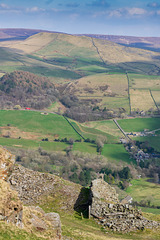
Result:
x=82 y=178
x=100 y=143
x=68 y=149
x=156 y=178
x=71 y=141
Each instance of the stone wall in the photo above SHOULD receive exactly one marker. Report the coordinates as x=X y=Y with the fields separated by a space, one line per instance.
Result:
x=107 y=209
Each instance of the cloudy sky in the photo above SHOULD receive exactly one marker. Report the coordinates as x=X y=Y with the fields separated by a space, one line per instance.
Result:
x=118 y=17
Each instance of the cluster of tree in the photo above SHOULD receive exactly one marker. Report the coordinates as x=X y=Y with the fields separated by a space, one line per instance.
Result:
x=78 y=167
x=149 y=112
x=88 y=109
x=26 y=90
x=122 y=176
x=66 y=140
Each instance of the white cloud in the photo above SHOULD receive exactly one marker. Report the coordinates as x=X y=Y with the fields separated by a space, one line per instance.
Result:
x=34 y=9
x=4 y=6
x=116 y=13
x=127 y=12
x=136 y=11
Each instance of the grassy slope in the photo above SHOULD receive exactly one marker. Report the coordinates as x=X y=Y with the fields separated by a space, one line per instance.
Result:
x=64 y=58
x=93 y=133
x=73 y=226
x=141 y=190
x=107 y=126
x=8 y=231
x=36 y=122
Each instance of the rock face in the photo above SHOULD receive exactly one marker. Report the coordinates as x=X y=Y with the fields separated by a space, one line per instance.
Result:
x=32 y=185
x=7 y=161
x=48 y=224
x=102 y=190
x=10 y=205
x=33 y=219
x=105 y=207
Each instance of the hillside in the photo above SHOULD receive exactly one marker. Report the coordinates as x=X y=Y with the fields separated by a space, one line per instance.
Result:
x=91 y=70
x=29 y=198
x=26 y=89
x=149 y=43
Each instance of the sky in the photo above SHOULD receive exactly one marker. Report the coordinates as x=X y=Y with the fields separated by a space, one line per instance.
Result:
x=113 y=17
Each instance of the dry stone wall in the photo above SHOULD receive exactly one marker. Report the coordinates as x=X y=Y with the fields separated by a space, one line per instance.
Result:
x=107 y=209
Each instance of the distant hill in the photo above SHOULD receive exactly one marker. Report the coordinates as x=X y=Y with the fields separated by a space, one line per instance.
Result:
x=104 y=73
x=149 y=43
x=18 y=33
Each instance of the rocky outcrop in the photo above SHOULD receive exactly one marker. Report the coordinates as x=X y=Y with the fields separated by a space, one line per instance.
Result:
x=102 y=190
x=10 y=205
x=107 y=209
x=48 y=224
x=32 y=219
x=32 y=186
x=7 y=161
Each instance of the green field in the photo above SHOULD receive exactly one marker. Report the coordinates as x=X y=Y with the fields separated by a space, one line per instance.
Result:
x=23 y=143
x=116 y=152
x=31 y=121
x=143 y=190
x=139 y=124
x=85 y=147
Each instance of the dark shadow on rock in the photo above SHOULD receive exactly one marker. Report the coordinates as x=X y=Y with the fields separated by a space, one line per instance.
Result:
x=83 y=201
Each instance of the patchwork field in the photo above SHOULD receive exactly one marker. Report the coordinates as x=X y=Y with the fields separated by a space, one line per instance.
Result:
x=107 y=126
x=93 y=133
x=141 y=99
x=93 y=68
x=138 y=81
x=101 y=85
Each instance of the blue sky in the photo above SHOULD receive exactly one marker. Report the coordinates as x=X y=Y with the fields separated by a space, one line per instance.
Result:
x=117 y=17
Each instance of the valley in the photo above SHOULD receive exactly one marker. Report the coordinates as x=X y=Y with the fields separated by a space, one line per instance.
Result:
x=59 y=97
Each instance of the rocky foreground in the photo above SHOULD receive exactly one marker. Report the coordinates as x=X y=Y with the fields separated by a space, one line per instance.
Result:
x=19 y=186
x=30 y=218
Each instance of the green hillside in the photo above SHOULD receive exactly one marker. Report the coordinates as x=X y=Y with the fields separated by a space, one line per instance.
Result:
x=92 y=68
